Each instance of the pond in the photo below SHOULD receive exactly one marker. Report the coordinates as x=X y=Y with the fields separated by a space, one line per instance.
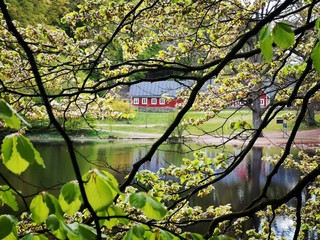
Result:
x=238 y=189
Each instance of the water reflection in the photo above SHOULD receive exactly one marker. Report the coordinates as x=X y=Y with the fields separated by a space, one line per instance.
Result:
x=237 y=189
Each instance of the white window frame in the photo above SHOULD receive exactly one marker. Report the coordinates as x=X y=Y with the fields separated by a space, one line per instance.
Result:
x=144 y=101
x=261 y=102
x=135 y=100
x=162 y=101
x=153 y=101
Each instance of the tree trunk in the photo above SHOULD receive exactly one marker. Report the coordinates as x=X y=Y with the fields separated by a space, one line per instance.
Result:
x=310 y=115
x=256 y=112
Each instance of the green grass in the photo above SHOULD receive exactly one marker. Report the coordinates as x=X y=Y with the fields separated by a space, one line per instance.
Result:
x=226 y=117
x=151 y=122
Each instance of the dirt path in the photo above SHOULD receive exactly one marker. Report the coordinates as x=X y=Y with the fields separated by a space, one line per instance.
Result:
x=309 y=137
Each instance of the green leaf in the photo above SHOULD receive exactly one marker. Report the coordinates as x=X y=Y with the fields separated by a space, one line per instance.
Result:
x=52 y=222
x=221 y=238
x=283 y=35
x=7 y=148
x=8 y=230
x=160 y=234
x=149 y=205
x=18 y=152
x=137 y=200
x=266 y=40
x=56 y=226
x=70 y=191
x=27 y=150
x=39 y=208
x=5 y=227
x=130 y=236
x=72 y=230
x=11 y=157
x=111 y=180
x=9 y=115
x=154 y=209
x=53 y=205
x=138 y=231
x=34 y=237
x=7 y=196
x=100 y=189
x=192 y=236
x=315 y=56
x=70 y=198
x=78 y=231
x=113 y=211
x=86 y=232
x=135 y=233
x=317 y=27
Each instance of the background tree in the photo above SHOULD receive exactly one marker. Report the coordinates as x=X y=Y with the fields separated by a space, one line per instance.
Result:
x=200 y=42
x=39 y=12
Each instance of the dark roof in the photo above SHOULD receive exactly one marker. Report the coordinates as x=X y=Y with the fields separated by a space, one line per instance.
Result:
x=156 y=89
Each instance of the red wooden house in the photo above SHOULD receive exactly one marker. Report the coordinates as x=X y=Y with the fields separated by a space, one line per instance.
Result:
x=163 y=94
x=155 y=94
x=265 y=99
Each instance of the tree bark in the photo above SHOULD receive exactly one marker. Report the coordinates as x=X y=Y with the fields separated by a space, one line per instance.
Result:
x=310 y=115
x=256 y=112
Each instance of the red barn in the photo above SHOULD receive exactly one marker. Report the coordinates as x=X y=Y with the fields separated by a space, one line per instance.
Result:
x=155 y=94
x=265 y=99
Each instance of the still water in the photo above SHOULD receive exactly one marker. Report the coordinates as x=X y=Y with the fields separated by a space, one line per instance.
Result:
x=238 y=189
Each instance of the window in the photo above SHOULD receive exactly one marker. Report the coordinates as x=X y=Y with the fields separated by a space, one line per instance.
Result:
x=136 y=101
x=261 y=102
x=153 y=101
x=162 y=101
x=144 y=100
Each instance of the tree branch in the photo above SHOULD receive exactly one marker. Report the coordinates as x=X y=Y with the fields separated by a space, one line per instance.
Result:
x=52 y=118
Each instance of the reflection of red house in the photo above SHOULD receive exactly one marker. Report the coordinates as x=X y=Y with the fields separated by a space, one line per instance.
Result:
x=155 y=94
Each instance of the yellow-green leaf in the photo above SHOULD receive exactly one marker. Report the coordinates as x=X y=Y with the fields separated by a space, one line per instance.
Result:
x=137 y=200
x=9 y=115
x=34 y=237
x=113 y=211
x=28 y=151
x=266 y=40
x=135 y=233
x=53 y=205
x=56 y=226
x=11 y=157
x=39 y=208
x=53 y=222
x=161 y=234
x=18 y=152
x=70 y=198
x=317 y=27
x=315 y=56
x=100 y=189
x=149 y=205
x=283 y=35
x=7 y=196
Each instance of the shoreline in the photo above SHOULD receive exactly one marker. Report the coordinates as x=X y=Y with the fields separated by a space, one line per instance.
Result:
x=310 y=138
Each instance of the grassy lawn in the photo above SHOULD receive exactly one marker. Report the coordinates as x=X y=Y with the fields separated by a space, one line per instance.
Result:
x=151 y=122
x=157 y=123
